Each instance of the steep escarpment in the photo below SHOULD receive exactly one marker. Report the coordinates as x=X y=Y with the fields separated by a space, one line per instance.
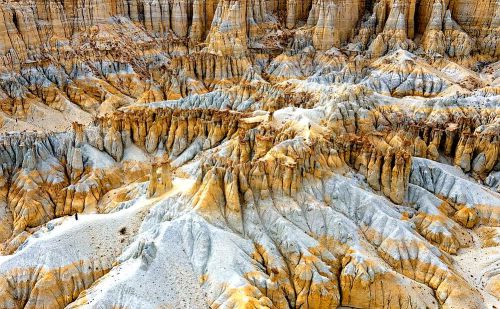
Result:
x=279 y=183
x=249 y=153
x=83 y=59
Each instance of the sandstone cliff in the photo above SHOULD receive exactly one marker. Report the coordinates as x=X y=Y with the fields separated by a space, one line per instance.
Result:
x=249 y=154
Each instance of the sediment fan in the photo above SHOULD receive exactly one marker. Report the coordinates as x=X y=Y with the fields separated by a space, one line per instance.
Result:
x=249 y=154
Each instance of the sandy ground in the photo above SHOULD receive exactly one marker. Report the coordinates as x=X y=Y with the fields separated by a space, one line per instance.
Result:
x=42 y=118
x=475 y=264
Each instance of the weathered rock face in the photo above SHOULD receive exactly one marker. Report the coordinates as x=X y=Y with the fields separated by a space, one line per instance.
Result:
x=101 y=55
x=249 y=154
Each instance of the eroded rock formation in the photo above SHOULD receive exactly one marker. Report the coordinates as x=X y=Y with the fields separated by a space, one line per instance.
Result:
x=249 y=154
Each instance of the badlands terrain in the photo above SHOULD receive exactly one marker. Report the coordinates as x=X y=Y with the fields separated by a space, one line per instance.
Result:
x=249 y=154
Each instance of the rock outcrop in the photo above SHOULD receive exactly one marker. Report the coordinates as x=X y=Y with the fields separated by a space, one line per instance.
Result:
x=249 y=154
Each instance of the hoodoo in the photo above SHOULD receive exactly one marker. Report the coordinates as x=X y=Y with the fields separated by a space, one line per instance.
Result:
x=250 y=154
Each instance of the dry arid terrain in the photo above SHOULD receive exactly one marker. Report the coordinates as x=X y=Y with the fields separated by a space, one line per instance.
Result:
x=249 y=154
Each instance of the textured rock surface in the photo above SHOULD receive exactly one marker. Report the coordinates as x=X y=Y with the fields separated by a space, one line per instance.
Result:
x=249 y=154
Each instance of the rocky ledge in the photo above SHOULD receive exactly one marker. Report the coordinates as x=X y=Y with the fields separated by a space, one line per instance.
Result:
x=249 y=154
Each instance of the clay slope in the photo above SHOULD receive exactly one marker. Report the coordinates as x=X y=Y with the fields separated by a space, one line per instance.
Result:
x=249 y=154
